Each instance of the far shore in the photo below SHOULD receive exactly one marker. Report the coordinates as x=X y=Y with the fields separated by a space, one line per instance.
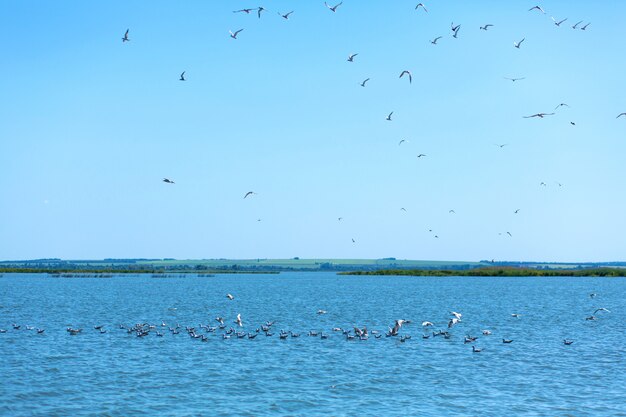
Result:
x=498 y=272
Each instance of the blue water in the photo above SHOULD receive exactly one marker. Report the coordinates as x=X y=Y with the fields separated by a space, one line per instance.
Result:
x=120 y=374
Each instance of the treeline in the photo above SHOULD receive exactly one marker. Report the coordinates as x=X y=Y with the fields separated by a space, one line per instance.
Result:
x=499 y=272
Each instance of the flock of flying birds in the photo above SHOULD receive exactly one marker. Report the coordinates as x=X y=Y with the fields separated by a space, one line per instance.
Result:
x=405 y=73
x=225 y=331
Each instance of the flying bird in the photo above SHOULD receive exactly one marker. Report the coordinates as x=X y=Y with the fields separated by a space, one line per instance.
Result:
x=239 y=321
x=576 y=25
x=234 y=35
x=259 y=10
x=518 y=44
x=454 y=28
x=333 y=8
x=402 y=209
x=456 y=31
x=408 y=73
x=401 y=142
x=452 y=212
x=351 y=57
x=125 y=38
x=353 y=241
x=169 y=181
x=422 y=6
x=585 y=27
x=600 y=309
x=561 y=105
x=539 y=115
x=434 y=41
x=182 y=76
x=249 y=193
x=515 y=79
x=230 y=296
x=516 y=211
x=389 y=117
x=246 y=11
x=620 y=115
x=364 y=81
x=537 y=8
x=420 y=155
x=510 y=235
x=558 y=23
x=500 y=145
x=486 y=27
x=285 y=16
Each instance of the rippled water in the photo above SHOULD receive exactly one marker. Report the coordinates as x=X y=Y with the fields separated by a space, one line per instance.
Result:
x=121 y=374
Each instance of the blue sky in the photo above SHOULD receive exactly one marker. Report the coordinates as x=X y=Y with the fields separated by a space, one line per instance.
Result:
x=90 y=125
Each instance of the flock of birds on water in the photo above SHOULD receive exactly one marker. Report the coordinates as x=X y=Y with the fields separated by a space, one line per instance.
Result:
x=225 y=330
x=406 y=74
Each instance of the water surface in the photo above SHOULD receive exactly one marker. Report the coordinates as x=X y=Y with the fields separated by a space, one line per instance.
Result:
x=121 y=374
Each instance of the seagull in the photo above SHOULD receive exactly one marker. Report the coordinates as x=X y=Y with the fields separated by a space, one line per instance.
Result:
x=246 y=11
x=182 y=76
x=339 y=219
x=539 y=115
x=234 y=35
x=486 y=332
x=401 y=142
x=456 y=31
x=408 y=73
x=333 y=8
x=364 y=81
x=230 y=296
x=426 y=323
x=248 y=194
x=515 y=79
x=620 y=115
x=509 y=233
x=239 y=321
x=558 y=23
x=398 y=324
x=353 y=241
x=454 y=28
x=476 y=350
x=515 y=314
x=452 y=212
x=572 y=123
x=507 y=341
x=500 y=145
x=388 y=118
x=421 y=155
x=576 y=25
x=517 y=44
x=125 y=38
x=592 y=295
x=561 y=105
x=321 y=311
x=601 y=309
x=567 y=342
x=434 y=41
x=585 y=27
x=351 y=57
x=544 y=184
x=487 y=26
x=285 y=16
x=169 y=181
x=452 y=322
x=537 y=8
x=516 y=211
x=259 y=10
x=457 y=315
x=402 y=209
x=422 y=6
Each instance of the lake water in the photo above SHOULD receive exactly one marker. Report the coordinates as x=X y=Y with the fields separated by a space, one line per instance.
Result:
x=116 y=373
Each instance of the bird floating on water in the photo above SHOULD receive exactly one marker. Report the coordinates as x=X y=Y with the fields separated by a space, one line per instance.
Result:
x=230 y=296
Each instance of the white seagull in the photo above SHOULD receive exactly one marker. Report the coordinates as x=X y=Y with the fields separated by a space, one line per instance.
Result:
x=333 y=8
x=230 y=296
x=234 y=35
x=239 y=321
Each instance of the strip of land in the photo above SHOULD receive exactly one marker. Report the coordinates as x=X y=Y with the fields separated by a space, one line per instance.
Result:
x=498 y=272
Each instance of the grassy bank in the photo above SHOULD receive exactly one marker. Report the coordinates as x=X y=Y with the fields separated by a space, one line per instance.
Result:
x=499 y=272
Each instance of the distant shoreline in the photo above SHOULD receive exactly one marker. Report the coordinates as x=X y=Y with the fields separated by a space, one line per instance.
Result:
x=497 y=272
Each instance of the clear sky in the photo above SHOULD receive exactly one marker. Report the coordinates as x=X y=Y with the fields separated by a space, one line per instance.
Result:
x=89 y=127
